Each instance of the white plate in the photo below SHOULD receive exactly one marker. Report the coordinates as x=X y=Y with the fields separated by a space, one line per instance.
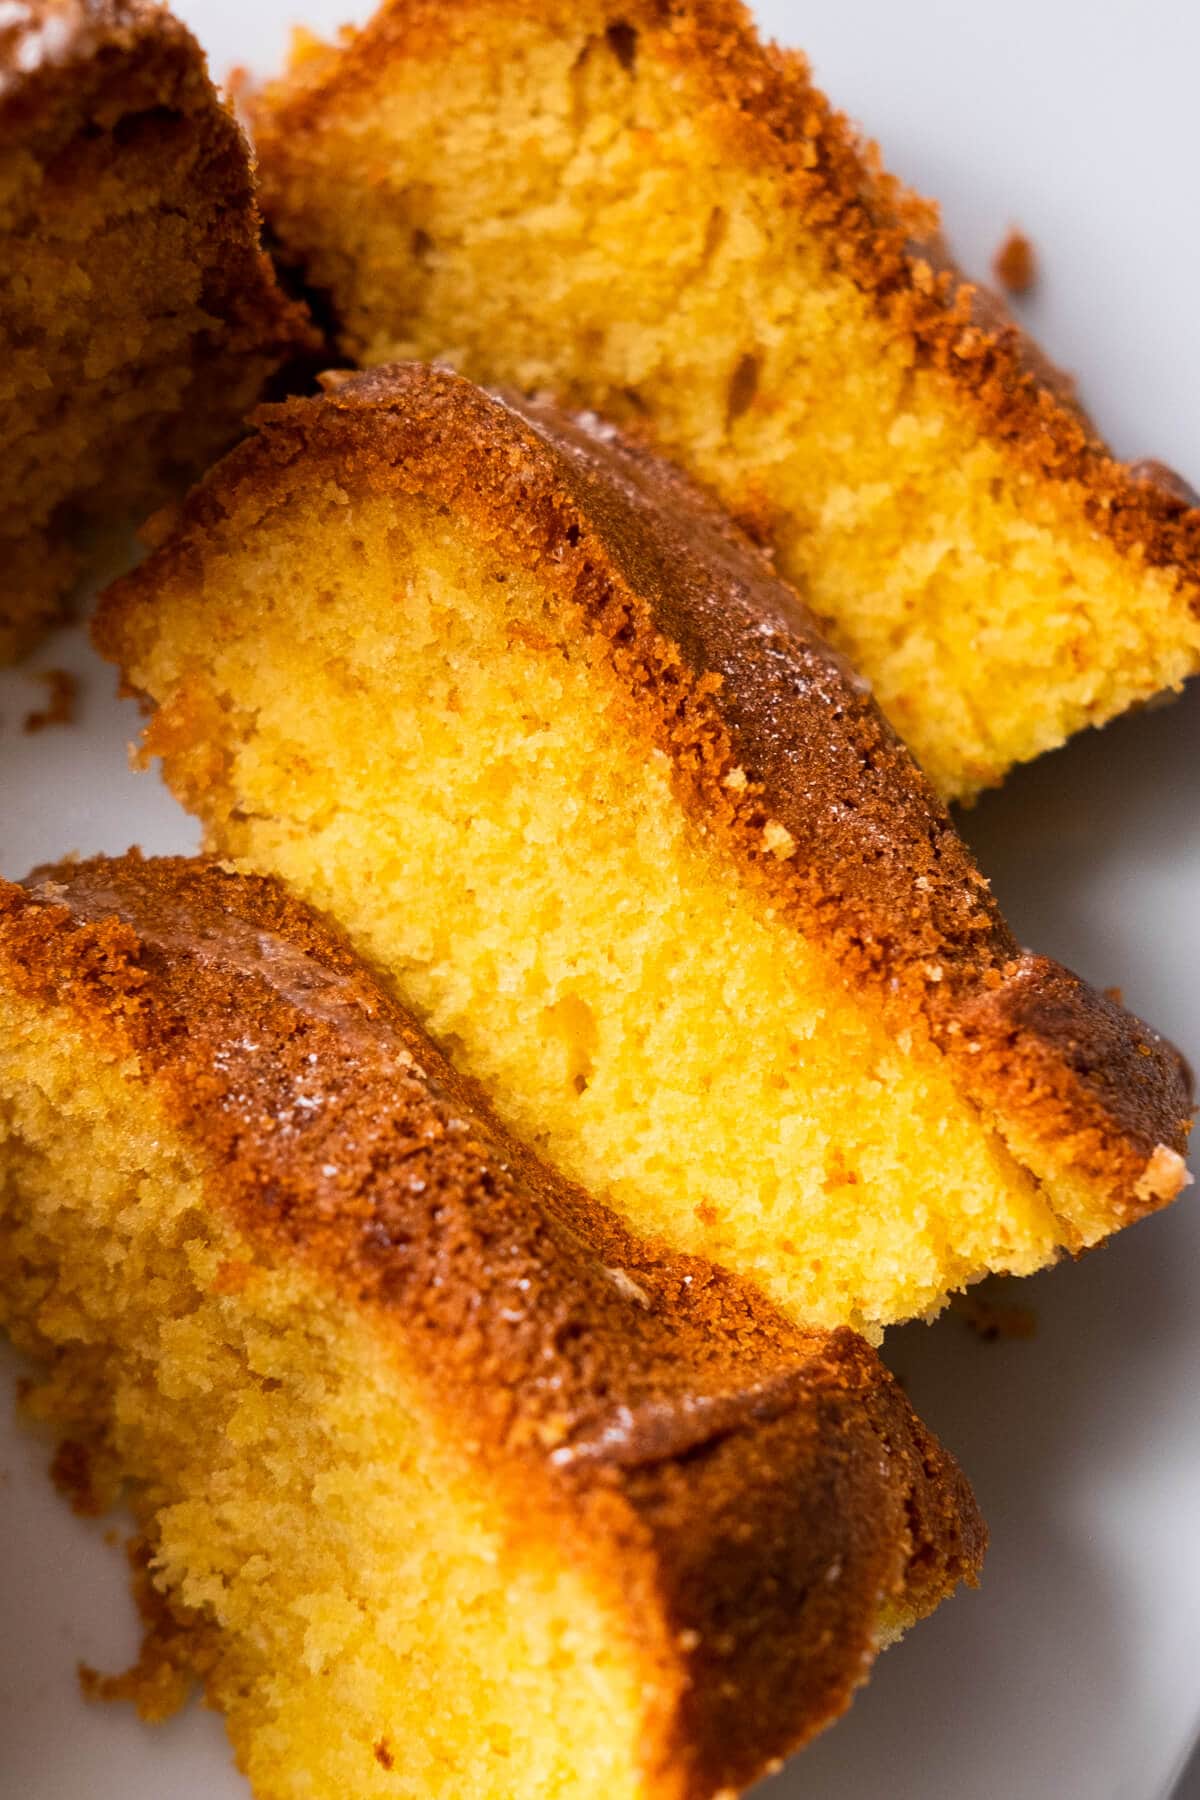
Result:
x=1075 y=1673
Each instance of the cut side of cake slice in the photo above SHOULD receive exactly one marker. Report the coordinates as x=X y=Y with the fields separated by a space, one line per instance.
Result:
x=549 y=738
x=450 y=1486
x=642 y=208
x=139 y=317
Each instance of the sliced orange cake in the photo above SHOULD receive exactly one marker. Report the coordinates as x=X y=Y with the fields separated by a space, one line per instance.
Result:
x=451 y=1487
x=642 y=208
x=555 y=745
x=139 y=318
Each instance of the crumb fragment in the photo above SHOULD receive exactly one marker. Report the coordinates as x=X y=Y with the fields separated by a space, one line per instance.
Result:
x=384 y=1755
x=74 y=1473
x=173 y=1655
x=62 y=693
x=1015 y=264
x=1165 y=1175
x=330 y=379
x=627 y=1286
x=993 y=1320
x=778 y=840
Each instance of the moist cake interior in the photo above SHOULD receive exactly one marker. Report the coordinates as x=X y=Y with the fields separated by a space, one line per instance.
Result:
x=378 y=1636
x=404 y=726
x=448 y=1483
x=624 y=205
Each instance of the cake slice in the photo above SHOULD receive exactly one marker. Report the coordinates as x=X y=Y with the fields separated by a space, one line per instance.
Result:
x=639 y=206
x=451 y=1487
x=550 y=739
x=139 y=318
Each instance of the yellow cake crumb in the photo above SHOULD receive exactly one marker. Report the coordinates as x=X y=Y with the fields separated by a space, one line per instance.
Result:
x=644 y=210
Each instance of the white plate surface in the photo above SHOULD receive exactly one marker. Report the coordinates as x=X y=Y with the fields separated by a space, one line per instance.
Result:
x=1074 y=1674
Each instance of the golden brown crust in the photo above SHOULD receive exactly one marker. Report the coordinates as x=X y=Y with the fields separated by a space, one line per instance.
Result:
x=759 y=1489
x=731 y=675
x=762 y=101
x=72 y=71
x=1015 y=264
x=67 y=65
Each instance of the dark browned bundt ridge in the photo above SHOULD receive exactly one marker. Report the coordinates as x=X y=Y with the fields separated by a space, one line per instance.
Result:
x=109 y=104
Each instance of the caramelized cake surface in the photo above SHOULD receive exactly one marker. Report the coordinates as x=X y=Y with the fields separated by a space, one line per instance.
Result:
x=450 y=1484
x=562 y=754
x=642 y=208
x=139 y=318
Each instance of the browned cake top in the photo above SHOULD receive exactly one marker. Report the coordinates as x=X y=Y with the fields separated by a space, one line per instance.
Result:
x=72 y=66
x=767 y=1488
x=777 y=746
x=761 y=99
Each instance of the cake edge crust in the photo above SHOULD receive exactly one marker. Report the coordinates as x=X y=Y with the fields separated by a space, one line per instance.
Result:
x=733 y=679
x=765 y=107
x=59 y=65
x=714 y=1501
